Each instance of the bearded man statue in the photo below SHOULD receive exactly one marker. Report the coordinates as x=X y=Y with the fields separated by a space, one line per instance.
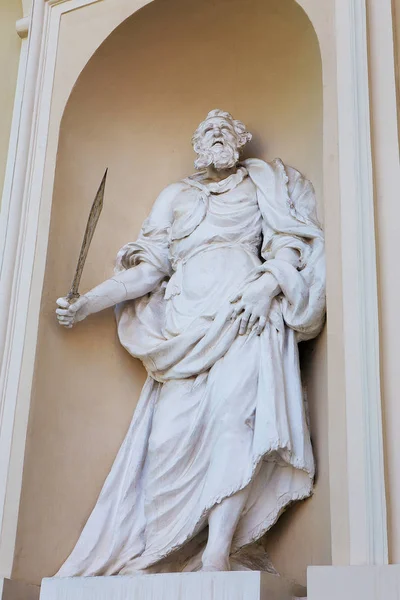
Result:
x=225 y=278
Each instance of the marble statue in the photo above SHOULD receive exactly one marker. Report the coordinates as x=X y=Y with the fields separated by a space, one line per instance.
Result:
x=226 y=277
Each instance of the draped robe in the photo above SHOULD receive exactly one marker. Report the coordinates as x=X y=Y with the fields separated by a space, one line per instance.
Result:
x=219 y=411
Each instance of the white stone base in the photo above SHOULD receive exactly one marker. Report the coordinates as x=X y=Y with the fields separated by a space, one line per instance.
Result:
x=354 y=583
x=18 y=590
x=239 y=585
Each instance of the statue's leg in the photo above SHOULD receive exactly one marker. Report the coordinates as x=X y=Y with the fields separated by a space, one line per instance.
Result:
x=222 y=523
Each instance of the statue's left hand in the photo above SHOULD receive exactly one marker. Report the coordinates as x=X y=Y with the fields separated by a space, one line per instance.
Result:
x=252 y=305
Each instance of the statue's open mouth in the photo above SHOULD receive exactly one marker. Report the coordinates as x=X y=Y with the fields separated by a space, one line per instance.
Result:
x=218 y=142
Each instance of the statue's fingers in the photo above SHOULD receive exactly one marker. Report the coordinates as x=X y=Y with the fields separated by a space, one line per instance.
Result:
x=252 y=321
x=65 y=319
x=63 y=315
x=75 y=306
x=62 y=303
x=65 y=322
x=235 y=298
x=243 y=322
x=62 y=312
x=230 y=314
x=239 y=308
x=261 y=325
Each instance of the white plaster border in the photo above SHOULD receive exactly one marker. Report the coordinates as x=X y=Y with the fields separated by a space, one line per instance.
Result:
x=19 y=222
x=12 y=218
x=20 y=303
x=365 y=455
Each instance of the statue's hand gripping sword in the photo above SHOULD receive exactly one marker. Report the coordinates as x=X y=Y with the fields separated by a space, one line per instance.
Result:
x=93 y=219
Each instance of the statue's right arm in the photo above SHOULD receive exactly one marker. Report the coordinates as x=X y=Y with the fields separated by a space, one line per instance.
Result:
x=127 y=285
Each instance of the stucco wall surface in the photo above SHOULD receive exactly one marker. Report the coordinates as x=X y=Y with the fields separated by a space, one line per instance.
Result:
x=10 y=46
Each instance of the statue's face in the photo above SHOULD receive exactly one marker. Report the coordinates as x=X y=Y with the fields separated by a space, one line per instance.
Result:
x=217 y=143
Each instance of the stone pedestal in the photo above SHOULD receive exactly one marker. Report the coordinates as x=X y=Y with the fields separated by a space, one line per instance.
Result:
x=239 y=585
x=18 y=590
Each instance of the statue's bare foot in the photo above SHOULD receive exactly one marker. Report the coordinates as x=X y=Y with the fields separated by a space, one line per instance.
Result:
x=215 y=563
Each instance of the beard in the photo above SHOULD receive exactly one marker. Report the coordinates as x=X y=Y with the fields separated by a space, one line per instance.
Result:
x=224 y=157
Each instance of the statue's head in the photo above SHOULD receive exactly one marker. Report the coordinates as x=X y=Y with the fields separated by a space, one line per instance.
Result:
x=218 y=139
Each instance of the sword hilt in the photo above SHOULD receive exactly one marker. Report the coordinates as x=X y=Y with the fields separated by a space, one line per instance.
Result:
x=72 y=297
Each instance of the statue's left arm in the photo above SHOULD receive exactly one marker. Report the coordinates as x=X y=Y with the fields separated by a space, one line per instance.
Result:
x=254 y=302
x=293 y=251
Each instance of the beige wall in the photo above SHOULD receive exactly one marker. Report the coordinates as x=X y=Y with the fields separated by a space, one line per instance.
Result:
x=302 y=536
x=10 y=46
x=133 y=109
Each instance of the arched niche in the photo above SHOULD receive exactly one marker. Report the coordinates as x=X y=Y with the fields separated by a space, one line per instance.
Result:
x=133 y=109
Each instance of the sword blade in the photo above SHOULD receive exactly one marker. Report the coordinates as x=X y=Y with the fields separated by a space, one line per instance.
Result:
x=87 y=238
